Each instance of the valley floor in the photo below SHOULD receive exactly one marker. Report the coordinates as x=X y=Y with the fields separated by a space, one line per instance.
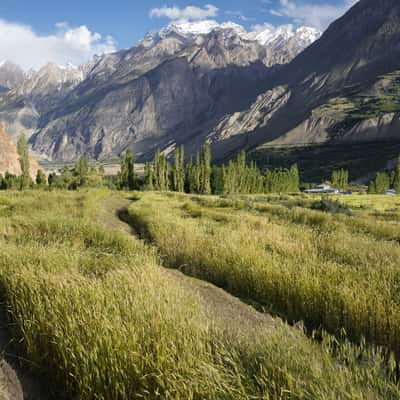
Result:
x=172 y=296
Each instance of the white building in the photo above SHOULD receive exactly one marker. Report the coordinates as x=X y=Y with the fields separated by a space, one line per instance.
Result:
x=322 y=189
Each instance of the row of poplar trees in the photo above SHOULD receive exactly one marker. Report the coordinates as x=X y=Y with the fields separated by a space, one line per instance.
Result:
x=199 y=176
x=384 y=181
x=193 y=177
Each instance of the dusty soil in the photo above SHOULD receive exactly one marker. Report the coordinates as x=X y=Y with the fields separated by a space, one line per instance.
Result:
x=17 y=380
x=225 y=309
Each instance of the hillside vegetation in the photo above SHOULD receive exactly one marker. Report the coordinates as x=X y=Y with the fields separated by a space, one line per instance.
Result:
x=95 y=312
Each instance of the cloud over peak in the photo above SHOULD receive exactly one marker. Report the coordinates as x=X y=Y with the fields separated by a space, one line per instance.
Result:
x=76 y=45
x=189 y=13
x=316 y=15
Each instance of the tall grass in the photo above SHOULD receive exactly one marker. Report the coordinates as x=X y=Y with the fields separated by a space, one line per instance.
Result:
x=97 y=314
x=331 y=271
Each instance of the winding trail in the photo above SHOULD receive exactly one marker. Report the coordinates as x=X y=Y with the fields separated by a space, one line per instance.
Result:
x=223 y=308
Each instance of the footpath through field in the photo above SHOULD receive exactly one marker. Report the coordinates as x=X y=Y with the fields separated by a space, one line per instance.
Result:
x=223 y=308
x=17 y=382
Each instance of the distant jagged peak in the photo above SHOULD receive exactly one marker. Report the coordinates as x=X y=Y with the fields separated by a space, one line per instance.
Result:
x=265 y=34
x=268 y=34
x=201 y=28
x=59 y=73
x=11 y=75
x=7 y=64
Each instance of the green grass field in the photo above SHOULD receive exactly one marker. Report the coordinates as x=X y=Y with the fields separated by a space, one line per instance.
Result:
x=96 y=311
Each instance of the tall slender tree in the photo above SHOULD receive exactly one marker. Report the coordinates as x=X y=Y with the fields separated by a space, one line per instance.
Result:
x=205 y=170
x=23 y=152
x=396 y=179
x=149 y=176
x=41 y=178
x=127 y=176
x=178 y=170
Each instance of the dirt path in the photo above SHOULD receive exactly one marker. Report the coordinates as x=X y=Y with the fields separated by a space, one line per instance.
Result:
x=17 y=382
x=225 y=309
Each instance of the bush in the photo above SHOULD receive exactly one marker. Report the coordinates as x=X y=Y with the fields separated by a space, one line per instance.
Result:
x=331 y=206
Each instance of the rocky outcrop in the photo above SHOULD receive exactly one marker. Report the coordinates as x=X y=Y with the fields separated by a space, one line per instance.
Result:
x=9 y=159
x=11 y=75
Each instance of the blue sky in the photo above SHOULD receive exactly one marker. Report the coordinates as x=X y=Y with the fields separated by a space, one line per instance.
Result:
x=75 y=29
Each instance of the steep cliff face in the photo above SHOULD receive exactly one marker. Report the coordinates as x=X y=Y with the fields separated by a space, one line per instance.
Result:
x=9 y=159
x=344 y=87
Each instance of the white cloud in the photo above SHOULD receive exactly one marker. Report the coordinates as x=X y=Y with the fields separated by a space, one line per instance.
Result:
x=20 y=44
x=189 y=13
x=262 y=27
x=238 y=15
x=316 y=15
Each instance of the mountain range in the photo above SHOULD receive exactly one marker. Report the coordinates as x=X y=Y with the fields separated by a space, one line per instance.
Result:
x=197 y=82
x=172 y=87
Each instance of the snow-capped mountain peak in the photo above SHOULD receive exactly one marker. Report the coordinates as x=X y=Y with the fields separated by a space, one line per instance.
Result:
x=268 y=34
x=263 y=34
x=307 y=33
x=190 y=28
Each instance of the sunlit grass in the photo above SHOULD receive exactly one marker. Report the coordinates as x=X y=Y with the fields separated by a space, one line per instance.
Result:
x=95 y=312
x=329 y=270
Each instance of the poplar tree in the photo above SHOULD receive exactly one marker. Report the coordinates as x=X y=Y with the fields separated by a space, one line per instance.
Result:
x=295 y=178
x=81 y=171
x=217 y=180
x=148 y=176
x=127 y=176
x=340 y=179
x=380 y=184
x=190 y=176
x=157 y=168
x=41 y=178
x=23 y=152
x=178 y=171
x=282 y=180
x=396 y=179
x=205 y=168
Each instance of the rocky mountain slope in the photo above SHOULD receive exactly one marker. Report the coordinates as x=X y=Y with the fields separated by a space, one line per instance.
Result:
x=171 y=88
x=9 y=159
x=11 y=75
x=22 y=106
x=343 y=88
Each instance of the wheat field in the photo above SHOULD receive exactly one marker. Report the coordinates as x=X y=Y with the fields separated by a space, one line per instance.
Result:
x=93 y=310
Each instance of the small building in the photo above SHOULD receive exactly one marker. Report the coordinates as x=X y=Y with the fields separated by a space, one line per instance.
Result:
x=322 y=189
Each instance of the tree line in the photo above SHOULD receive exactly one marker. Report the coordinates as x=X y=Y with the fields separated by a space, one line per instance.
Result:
x=199 y=176
x=384 y=181
x=195 y=175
